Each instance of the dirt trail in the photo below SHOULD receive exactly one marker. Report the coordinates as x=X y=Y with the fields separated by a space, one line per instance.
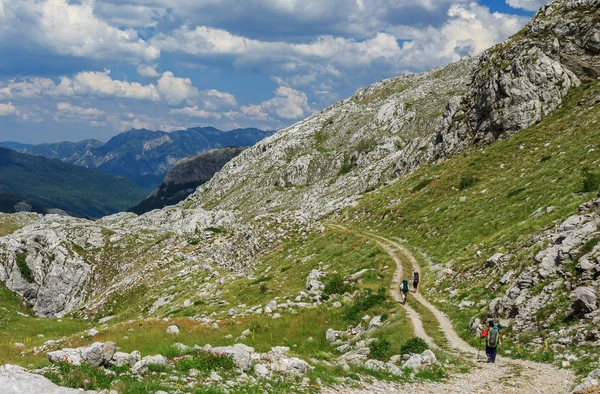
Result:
x=505 y=376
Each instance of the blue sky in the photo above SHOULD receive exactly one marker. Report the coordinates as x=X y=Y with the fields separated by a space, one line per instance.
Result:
x=77 y=69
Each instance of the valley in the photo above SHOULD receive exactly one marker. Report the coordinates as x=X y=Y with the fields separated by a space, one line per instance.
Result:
x=282 y=272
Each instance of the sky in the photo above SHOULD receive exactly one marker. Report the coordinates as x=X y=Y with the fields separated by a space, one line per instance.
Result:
x=78 y=69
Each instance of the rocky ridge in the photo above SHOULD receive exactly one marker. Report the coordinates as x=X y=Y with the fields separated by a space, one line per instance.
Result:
x=320 y=165
x=185 y=176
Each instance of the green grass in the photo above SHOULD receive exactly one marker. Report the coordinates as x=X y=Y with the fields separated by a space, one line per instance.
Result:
x=591 y=180
x=15 y=327
x=204 y=362
x=414 y=345
x=504 y=183
x=24 y=269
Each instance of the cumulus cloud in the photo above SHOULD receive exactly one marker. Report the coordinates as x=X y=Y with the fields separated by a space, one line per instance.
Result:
x=287 y=103
x=469 y=29
x=70 y=28
x=169 y=89
x=529 y=5
x=101 y=84
x=176 y=90
x=8 y=109
x=148 y=71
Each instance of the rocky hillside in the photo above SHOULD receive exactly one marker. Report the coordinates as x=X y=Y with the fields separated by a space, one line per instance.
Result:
x=185 y=176
x=326 y=162
x=36 y=184
x=144 y=156
x=479 y=166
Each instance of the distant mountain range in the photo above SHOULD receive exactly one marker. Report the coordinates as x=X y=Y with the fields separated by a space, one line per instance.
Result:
x=37 y=184
x=144 y=156
x=185 y=176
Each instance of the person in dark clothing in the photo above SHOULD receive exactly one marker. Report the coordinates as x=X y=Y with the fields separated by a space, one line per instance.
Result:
x=415 y=280
x=492 y=341
x=405 y=289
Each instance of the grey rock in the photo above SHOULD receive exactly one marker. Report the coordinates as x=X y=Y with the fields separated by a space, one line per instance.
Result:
x=239 y=353
x=261 y=371
x=141 y=366
x=120 y=359
x=17 y=380
x=313 y=283
x=586 y=300
x=375 y=323
x=98 y=353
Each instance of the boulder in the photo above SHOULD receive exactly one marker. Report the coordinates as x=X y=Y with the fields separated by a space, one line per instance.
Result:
x=332 y=335
x=173 y=330
x=380 y=366
x=17 y=380
x=591 y=384
x=67 y=355
x=421 y=361
x=120 y=359
x=261 y=371
x=279 y=362
x=313 y=283
x=141 y=367
x=586 y=300
x=375 y=323
x=98 y=353
x=239 y=353
x=93 y=332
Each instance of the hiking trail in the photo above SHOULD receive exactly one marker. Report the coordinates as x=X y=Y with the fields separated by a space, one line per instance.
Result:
x=505 y=376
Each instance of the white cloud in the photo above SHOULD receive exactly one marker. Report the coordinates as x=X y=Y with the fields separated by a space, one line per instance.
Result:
x=73 y=113
x=468 y=30
x=69 y=28
x=147 y=71
x=169 y=89
x=287 y=103
x=174 y=90
x=100 y=84
x=195 y=112
x=8 y=109
x=529 y=5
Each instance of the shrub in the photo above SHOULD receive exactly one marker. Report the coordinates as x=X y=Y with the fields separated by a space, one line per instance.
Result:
x=204 y=362
x=414 y=345
x=335 y=285
x=158 y=368
x=346 y=168
x=263 y=288
x=364 y=302
x=380 y=350
x=515 y=192
x=24 y=269
x=422 y=185
x=588 y=247
x=591 y=181
x=82 y=376
x=466 y=181
x=215 y=230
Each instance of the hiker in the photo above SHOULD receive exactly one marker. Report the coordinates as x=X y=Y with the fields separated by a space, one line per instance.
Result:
x=405 y=289
x=492 y=341
x=415 y=280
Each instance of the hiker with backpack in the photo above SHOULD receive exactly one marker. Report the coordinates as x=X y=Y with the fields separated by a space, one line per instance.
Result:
x=415 y=280
x=492 y=341
x=405 y=290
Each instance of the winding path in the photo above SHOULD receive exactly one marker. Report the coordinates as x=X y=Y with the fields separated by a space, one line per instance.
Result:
x=505 y=376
